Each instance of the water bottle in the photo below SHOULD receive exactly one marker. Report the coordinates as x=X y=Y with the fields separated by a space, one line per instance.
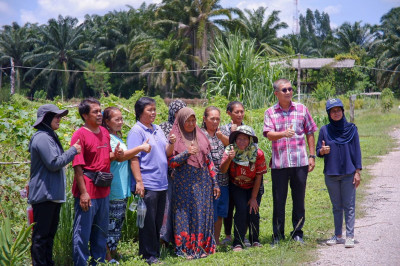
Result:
x=141 y=213
x=29 y=214
x=133 y=205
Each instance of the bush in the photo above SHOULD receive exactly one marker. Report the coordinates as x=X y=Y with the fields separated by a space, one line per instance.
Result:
x=387 y=100
x=324 y=91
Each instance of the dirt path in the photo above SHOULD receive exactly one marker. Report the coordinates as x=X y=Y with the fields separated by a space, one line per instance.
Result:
x=377 y=234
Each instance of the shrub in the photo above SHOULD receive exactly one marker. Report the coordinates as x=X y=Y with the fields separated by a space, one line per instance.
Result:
x=387 y=100
x=324 y=91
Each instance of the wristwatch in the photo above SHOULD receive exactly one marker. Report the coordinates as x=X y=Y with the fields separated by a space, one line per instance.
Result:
x=312 y=156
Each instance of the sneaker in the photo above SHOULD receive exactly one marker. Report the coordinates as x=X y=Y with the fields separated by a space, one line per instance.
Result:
x=335 y=240
x=237 y=248
x=257 y=244
x=226 y=241
x=349 y=242
x=298 y=239
x=247 y=242
x=113 y=261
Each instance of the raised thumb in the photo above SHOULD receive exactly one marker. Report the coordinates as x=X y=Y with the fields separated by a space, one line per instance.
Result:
x=291 y=126
x=147 y=141
x=323 y=143
x=77 y=142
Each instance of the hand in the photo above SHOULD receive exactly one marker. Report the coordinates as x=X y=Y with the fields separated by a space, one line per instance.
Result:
x=253 y=205
x=357 y=179
x=118 y=152
x=233 y=127
x=324 y=149
x=146 y=147
x=172 y=139
x=288 y=133
x=311 y=164
x=77 y=146
x=192 y=149
x=85 y=202
x=219 y=133
x=217 y=192
x=231 y=154
x=139 y=189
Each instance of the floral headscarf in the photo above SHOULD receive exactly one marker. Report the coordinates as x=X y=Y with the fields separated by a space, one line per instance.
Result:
x=174 y=107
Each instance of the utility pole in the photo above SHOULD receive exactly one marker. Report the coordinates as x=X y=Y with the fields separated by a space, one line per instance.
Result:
x=298 y=77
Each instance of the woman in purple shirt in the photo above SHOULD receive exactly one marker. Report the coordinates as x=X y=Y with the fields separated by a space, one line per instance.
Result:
x=150 y=175
x=339 y=145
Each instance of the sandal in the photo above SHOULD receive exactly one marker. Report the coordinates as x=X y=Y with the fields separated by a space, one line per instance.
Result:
x=237 y=248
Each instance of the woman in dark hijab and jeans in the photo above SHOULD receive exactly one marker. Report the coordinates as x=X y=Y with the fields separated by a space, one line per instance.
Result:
x=47 y=181
x=339 y=145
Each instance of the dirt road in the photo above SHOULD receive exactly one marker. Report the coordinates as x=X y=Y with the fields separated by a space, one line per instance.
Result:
x=377 y=234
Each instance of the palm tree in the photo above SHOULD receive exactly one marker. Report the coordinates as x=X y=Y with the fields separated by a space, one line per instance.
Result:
x=263 y=30
x=348 y=34
x=166 y=62
x=14 y=44
x=195 y=20
x=59 y=49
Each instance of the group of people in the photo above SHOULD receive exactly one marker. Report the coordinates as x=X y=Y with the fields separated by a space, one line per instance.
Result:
x=191 y=179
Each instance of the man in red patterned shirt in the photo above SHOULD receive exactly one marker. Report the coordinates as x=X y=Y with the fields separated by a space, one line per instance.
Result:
x=285 y=124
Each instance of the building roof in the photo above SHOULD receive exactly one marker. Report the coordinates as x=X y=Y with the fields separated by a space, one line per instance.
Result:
x=317 y=63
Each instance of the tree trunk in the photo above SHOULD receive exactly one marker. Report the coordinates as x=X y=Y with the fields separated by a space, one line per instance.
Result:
x=12 y=77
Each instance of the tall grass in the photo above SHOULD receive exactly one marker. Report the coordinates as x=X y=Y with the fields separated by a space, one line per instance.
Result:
x=239 y=72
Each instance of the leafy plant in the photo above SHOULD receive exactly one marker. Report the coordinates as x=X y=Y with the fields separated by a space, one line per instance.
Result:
x=12 y=252
x=387 y=100
x=324 y=91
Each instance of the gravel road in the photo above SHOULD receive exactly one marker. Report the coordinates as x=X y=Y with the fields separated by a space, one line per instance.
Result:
x=377 y=234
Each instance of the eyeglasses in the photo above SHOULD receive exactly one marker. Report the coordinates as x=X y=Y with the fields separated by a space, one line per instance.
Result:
x=284 y=90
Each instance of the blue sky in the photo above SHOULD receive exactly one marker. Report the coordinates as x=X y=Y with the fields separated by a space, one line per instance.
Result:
x=39 y=11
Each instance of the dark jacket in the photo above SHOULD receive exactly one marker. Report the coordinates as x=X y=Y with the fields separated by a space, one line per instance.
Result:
x=343 y=159
x=47 y=179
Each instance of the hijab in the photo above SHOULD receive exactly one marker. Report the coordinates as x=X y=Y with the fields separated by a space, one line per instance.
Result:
x=174 y=107
x=340 y=132
x=246 y=156
x=185 y=139
x=45 y=126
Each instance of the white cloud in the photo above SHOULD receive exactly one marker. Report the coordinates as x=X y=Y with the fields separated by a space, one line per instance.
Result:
x=333 y=9
x=79 y=8
x=28 y=16
x=4 y=8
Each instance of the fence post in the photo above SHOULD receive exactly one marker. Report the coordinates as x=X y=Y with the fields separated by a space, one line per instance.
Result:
x=352 y=100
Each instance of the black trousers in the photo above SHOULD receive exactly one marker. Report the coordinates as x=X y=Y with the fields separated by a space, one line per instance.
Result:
x=149 y=235
x=297 y=177
x=46 y=215
x=243 y=217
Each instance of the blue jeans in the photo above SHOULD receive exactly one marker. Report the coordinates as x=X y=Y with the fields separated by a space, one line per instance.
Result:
x=343 y=197
x=90 y=226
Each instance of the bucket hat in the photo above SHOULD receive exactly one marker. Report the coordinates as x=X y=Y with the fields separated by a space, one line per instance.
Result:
x=333 y=103
x=245 y=130
x=48 y=108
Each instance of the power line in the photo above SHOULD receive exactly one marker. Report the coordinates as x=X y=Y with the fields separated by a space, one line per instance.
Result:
x=127 y=72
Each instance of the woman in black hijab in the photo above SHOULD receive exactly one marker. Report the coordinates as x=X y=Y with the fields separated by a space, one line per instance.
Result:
x=47 y=181
x=339 y=145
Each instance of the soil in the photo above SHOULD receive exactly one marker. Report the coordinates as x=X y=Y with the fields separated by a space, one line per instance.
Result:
x=377 y=234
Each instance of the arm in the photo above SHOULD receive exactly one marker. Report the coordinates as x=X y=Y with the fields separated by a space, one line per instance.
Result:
x=178 y=160
x=224 y=139
x=47 y=149
x=226 y=161
x=84 y=198
x=213 y=175
x=170 y=146
x=253 y=200
x=311 y=147
x=288 y=133
x=357 y=160
x=135 y=166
